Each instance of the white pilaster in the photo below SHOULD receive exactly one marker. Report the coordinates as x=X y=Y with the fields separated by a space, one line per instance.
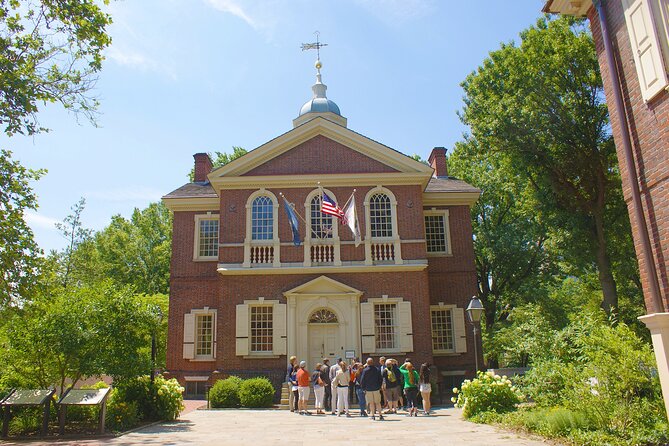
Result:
x=658 y=325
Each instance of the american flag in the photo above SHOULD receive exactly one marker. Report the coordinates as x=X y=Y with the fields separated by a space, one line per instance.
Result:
x=328 y=206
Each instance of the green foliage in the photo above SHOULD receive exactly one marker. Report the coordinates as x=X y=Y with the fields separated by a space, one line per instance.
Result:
x=221 y=159
x=225 y=392
x=487 y=393
x=538 y=109
x=256 y=392
x=19 y=254
x=162 y=401
x=121 y=415
x=77 y=333
x=50 y=52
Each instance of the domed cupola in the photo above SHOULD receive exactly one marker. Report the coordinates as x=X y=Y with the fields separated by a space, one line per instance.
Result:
x=319 y=104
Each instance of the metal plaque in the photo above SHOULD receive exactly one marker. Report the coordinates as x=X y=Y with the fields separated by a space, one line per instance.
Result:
x=22 y=397
x=84 y=397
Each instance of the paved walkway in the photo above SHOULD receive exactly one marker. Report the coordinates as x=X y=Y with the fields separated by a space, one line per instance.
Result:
x=274 y=427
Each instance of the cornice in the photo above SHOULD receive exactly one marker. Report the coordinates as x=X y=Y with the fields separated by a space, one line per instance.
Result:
x=450 y=198
x=192 y=204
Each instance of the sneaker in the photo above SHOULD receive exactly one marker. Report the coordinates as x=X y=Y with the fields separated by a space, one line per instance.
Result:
x=373 y=418
x=381 y=418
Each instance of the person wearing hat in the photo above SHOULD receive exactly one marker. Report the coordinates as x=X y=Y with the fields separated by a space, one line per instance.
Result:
x=303 y=388
x=290 y=372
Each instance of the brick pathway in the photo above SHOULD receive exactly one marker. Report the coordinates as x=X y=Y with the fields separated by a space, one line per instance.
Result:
x=278 y=427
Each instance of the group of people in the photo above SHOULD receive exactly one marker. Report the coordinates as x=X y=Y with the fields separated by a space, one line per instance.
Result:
x=380 y=390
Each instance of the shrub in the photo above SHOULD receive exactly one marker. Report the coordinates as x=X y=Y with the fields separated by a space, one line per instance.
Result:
x=121 y=415
x=256 y=392
x=225 y=392
x=163 y=401
x=488 y=392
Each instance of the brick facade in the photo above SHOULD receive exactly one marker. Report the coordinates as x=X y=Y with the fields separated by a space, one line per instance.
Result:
x=649 y=130
x=197 y=284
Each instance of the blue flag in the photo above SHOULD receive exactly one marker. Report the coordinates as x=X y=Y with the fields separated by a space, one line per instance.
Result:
x=292 y=219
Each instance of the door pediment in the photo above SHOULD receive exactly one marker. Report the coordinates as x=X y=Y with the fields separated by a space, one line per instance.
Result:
x=323 y=286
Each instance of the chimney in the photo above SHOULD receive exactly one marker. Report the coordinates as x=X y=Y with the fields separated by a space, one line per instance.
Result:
x=202 y=167
x=437 y=161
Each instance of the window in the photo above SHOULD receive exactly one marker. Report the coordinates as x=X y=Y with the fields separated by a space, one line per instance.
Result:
x=437 y=238
x=195 y=389
x=261 y=329
x=204 y=334
x=442 y=330
x=206 y=237
x=385 y=326
x=262 y=218
x=199 y=336
x=648 y=30
x=380 y=215
x=321 y=224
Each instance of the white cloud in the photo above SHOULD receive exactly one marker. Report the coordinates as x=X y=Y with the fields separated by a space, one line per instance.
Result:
x=137 y=60
x=125 y=194
x=36 y=220
x=232 y=7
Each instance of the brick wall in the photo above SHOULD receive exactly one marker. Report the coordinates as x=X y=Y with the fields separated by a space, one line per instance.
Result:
x=649 y=129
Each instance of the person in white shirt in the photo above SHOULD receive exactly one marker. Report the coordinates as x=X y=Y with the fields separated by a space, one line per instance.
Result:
x=341 y=381
x=333 y=373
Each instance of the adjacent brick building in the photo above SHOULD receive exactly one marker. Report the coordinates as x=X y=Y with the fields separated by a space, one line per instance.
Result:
x=244 y=297
x=632 y=43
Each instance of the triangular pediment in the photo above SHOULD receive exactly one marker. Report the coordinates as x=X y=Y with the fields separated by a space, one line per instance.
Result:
x=317 y=147
x=323 y=286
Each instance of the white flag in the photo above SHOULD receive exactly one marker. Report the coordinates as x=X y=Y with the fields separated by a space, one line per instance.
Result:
x=351 y=217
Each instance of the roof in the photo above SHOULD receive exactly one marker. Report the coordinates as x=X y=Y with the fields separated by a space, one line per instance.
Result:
x=450 y=184
x=193 y=190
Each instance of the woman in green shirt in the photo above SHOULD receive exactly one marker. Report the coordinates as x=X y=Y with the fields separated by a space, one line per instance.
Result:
x=410 y=387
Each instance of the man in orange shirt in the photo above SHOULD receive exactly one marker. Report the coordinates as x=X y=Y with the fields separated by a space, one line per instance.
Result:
x=303 y=388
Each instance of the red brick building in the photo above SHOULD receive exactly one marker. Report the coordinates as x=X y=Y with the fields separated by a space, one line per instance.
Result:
x=244 y=297
x=632 y=42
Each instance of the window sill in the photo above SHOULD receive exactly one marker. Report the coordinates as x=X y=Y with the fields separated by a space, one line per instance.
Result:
x=440 y=254
x=205 y=259
x=261 y=356
x=208 y=359
x=437 y=353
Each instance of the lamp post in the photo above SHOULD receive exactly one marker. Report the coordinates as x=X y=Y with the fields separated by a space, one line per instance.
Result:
x=474 y=312
x=159 y=317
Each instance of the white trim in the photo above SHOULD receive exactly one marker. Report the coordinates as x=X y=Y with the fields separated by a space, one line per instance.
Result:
x=299 y=268
x=214 y=333
x=394 y=238
x=196 y=237
x=196 y=378
x=308 y=241
x=447 y=232
x=440 y=307
x=398 y=332
x=275 y=242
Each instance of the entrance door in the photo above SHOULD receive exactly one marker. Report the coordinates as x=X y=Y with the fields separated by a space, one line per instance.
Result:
x=322 y=343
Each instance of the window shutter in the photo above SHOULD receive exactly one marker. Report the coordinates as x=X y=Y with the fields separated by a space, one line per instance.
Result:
x=189 y=336
x=279 y=329
x=406 y=331
x=214 y=332
x=459 y=332
x=367 y=327
x=242 y=330
x=646 y=47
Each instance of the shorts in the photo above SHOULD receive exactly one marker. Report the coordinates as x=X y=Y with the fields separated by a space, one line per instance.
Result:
x=393 y=394
x=373 y=396
x=303 y=393
x=425 y=387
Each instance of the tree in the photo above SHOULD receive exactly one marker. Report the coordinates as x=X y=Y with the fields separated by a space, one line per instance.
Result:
x=138 y=251
x=78 y=333
x=541 y=105
x=222 y=158
x=509 y=236
x=18 y=251
x=51 y=51
x=73 y=231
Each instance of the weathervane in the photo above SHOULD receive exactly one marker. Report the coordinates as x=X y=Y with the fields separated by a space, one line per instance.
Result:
x=315 y=46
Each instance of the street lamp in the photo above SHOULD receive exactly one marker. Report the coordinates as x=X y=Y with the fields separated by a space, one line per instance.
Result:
x=159 y=317
x=474 y=312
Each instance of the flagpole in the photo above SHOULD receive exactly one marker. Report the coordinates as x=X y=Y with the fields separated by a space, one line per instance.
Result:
x=349 y=199
x=301 y=218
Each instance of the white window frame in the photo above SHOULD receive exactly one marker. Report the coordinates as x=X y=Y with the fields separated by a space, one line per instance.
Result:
x=447 y=232
x=449 y=308
x=251 y=336
x=243 y=329
x=195 y=313
x=196 y=239
x=403 y=325
x=310 y=240
x=274 y=242
x=394 y=238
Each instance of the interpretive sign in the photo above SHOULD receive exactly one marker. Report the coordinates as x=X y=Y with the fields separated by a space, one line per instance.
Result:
x=84 y=397
x=26 y=397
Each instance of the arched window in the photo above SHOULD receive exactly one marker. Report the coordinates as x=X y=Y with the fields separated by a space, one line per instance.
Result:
x=323 y=316
x=321 y=224
x=380 y=215
x=262 y=218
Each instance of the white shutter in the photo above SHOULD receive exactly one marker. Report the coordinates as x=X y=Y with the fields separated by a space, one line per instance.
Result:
x=242 y=330
x=189 y=336
x=646 y=47
x=279 y=329
x=459 y=330
x=215 y=333
x=367 y=327
x=406 y=332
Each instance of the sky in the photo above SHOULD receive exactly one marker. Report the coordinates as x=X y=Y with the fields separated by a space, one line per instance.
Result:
x=189 y=76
